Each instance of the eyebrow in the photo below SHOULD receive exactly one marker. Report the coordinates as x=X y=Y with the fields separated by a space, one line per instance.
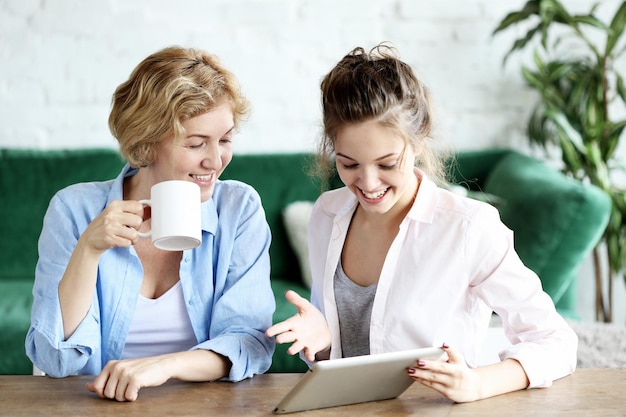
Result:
x=200 y=135
x=377 y=159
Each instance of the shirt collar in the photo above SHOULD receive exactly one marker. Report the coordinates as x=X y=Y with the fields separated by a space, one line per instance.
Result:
x=423 y=209
x=209 y=214
x=116 y=191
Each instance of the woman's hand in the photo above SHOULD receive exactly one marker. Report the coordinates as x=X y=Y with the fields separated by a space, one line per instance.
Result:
x=452 y=378
x=307 y=329
x=122 y=380
x=460 y=383
x=117 y=225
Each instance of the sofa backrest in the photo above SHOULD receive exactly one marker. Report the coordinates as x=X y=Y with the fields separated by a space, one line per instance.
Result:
x=28 y=180
x=557 y=220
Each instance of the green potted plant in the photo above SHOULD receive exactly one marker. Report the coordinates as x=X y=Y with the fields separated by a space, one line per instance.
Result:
x=579 y=86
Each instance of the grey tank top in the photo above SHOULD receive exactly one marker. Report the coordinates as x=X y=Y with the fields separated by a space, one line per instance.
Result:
x=354 y=307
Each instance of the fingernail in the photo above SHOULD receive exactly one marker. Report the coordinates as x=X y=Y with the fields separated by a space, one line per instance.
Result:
x=445 y=345
x=411 y=371
x=421 y=363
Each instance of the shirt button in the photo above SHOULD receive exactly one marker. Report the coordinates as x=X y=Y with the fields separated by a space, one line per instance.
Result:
x=187 y=259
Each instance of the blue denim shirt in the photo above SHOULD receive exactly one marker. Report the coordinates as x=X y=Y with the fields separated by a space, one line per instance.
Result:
x=225 y=283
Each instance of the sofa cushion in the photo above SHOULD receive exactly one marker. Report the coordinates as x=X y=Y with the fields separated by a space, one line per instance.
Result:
x=296 y=218
x=14 y=321
x=552 y=235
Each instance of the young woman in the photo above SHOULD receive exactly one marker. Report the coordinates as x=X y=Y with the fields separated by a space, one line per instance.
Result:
x=399 y=263
x=110 y=304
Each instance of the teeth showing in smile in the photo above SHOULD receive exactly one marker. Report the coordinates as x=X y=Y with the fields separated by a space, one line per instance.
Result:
x=203 y=177
x=374 y=195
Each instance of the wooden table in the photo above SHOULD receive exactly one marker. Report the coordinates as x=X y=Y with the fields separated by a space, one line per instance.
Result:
x=588 y=392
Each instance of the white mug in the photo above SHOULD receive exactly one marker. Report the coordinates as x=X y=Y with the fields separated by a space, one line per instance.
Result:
x=176 y=215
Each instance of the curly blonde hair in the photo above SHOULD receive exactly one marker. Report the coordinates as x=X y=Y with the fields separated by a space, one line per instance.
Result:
x=163 y=91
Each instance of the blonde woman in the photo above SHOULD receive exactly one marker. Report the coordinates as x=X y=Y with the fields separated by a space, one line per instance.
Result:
x=107 y=303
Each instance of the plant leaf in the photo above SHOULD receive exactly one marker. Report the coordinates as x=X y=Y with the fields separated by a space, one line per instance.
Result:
x=621 y=89
x=521 y=42
x=538 y=132
x=613 y=134
x=559 y=70
x=563 y=124
x=595 y=113
x=617 y=28
x=530 y=8
x=532 y=78
x=553 y=10
x=598 y=169
x=590 y=20
x=570 y=156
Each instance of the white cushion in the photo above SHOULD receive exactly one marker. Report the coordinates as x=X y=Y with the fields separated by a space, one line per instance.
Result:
x=296 y=217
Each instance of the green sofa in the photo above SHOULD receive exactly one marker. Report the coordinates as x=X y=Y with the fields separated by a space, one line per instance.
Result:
x=556 y=221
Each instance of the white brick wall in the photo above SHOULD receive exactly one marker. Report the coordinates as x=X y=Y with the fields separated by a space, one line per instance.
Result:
x=60 y=61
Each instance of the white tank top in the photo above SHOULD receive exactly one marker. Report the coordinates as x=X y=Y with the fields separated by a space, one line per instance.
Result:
x=160 y=326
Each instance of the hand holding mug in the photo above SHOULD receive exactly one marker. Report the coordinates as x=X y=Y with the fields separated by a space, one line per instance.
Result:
x=114 y=227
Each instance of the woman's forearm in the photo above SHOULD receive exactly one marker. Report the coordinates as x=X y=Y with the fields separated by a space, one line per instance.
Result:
x=77 y=287
x=198 y=365
x=501 y=377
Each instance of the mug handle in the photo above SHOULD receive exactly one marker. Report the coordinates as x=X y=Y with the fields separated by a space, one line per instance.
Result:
x=149 y=232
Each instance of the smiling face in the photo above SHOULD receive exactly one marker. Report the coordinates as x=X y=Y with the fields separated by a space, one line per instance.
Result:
x=201 y=155
x=375 y=164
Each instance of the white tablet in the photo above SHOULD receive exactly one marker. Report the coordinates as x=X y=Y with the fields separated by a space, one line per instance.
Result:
x=354 y=380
